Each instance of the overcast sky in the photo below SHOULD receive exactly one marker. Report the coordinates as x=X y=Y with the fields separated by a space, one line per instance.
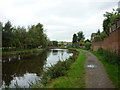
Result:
x=61 y=18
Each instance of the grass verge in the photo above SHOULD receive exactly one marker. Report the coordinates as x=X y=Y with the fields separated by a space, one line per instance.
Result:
x=112 y=70
x=74 y=78
x=22 y=51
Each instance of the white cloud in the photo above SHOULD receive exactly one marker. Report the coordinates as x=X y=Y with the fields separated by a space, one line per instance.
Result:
x=61 y=18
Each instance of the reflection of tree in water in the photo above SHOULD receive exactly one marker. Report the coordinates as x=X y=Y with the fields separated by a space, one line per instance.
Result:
x=48 y=53
x=32 y=64
x=55 y=52
x=62 y=52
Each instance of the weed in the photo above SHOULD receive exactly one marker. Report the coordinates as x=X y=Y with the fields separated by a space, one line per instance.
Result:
x=109 y=56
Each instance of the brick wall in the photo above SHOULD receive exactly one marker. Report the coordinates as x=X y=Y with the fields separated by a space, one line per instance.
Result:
x=112 y=42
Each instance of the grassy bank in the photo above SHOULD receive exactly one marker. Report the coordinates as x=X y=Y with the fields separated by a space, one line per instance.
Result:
x=111 y=69
x=22 y=51
x=74 y=78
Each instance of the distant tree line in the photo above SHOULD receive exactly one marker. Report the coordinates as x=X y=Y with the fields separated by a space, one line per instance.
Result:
x=21 y=38
x=53 y=43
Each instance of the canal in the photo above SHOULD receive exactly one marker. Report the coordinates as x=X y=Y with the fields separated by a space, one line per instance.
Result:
x=22 y=69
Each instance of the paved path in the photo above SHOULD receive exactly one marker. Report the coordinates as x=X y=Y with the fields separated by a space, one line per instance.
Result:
x=96 y=76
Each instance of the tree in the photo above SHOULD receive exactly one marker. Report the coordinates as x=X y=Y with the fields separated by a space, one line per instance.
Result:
x=21 y=38
x=81 y=42
x=55 y=43
x=74 y=38
x=98 y=32
x=110 y=19
x=32 y=36
x=7 y=35
x=50 y=43
x=80 y=36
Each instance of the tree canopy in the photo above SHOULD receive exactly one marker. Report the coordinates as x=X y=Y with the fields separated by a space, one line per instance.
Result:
x=74 y=38
x=20 y=37
x=110 y=19
x=78 y=37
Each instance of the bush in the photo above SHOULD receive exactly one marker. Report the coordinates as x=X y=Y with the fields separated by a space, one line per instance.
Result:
x=109 y=57
x=55 y=71
x=100 y=51
x=87 y=45
x=59 y=69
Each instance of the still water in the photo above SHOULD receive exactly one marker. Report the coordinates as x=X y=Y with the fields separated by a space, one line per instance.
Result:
x=25 y=68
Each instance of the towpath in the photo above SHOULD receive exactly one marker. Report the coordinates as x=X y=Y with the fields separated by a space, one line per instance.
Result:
x=96 y=76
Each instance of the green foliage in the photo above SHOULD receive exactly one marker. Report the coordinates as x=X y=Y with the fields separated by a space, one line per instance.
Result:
x=74 y=78
x=55 y=71
x=7 y=35
x=74 y=38
x=87 y=45
x=99 y=36
x=21 y=38
x=100 y=51
x=55 y=43
x=98 y=32
x=110 y=19
x=109 y=57
x=78 y=39
x=103 y=35
x=80 y=36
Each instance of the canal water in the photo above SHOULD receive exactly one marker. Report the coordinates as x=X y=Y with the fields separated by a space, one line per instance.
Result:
x=24 y=68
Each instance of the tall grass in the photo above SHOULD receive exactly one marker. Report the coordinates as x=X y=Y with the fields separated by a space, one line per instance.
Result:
x=109 y=56
x=75 y=76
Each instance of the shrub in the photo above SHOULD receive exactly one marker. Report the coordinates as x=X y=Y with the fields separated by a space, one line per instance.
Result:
x=87 y=45
x=109 y=56
x=103 y=35
x=100 y=51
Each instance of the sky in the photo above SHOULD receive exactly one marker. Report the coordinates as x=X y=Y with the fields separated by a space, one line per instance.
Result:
x=60 y=18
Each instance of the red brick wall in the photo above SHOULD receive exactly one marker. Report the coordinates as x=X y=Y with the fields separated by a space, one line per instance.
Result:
x=112 y=42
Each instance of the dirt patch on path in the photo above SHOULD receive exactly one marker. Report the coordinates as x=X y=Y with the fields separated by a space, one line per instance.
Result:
x=96 y=76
